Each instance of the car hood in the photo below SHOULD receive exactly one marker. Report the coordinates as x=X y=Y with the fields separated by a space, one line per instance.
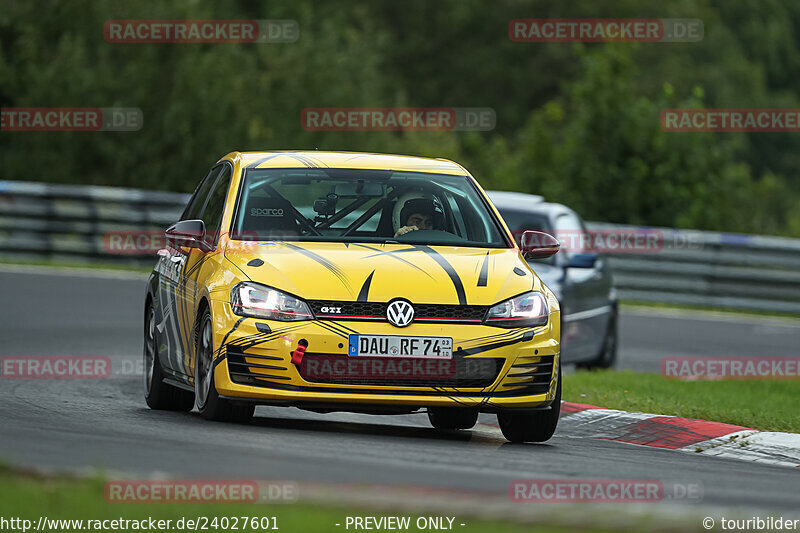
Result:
x=381 y=272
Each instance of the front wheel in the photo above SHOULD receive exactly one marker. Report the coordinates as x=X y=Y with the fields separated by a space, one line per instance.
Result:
x=535 y=426
x=210 y=405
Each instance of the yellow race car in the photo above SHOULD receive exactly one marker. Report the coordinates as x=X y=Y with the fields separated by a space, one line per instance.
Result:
x=368 y=283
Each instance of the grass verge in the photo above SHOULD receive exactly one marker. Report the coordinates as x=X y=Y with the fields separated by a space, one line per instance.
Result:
x=765 y=405
x=29 y=497
x=688 y=307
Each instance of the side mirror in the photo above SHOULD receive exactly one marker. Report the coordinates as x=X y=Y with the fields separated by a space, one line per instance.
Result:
x=538 y=245
x=582 y=260
x=188 y=233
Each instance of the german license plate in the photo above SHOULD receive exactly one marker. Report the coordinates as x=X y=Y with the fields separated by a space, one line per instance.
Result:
x=400 y=346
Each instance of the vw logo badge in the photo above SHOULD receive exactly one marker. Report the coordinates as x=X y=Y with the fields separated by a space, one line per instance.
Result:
x=400 y=313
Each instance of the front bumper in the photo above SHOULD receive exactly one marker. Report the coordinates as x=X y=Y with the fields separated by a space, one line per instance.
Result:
x=516 y=368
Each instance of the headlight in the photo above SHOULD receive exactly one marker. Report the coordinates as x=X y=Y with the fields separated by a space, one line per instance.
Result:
x=251 y=299
x=529 y=309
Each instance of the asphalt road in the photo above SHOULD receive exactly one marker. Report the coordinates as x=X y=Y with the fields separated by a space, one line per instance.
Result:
x=648 y=335
x=75 y=424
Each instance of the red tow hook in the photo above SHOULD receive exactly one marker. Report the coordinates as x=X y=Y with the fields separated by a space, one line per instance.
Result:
x=297 y=354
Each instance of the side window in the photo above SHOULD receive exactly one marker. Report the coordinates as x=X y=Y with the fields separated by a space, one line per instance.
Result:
x=212 y=213
x=198 y=199
x=570 y=229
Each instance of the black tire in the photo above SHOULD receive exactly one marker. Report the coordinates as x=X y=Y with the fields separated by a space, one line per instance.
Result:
x=608 y=352
x=157 y=394
x=452 y=418
x=209 y=404
x=533 y=426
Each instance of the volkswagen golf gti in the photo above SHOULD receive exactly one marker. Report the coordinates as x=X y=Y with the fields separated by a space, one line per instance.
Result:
x=367 y=283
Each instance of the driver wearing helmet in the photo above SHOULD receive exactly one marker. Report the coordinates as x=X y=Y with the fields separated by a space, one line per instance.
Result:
x=418 y=214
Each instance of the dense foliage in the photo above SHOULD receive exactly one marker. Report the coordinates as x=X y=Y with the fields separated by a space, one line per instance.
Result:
x=577 y=123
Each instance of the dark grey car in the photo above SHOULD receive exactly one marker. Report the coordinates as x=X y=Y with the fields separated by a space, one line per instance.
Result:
x=581 y=280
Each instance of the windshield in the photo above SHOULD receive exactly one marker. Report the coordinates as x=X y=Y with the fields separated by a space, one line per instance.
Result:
x=343 y=205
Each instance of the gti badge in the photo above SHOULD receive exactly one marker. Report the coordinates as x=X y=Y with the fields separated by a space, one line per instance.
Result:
x=400 y=313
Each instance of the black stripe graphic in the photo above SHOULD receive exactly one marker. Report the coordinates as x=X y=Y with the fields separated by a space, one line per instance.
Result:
x=196 y=266
x=225 y=339
x=343 y=327
x=318 y=162
x=363 y=294
x=391 y=253
x=333 y=330
x=184 y=313
x=250 y=341
x=264 y=160
x=335 y=270
x=511 y=333
x=484 y=271
x=426 y=391
x=436 y=256
x=485 y=348
x=457 y=284
x=306 y=161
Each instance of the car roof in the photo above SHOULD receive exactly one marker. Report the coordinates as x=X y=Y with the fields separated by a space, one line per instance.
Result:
x=355 y=160
x=514 y=197
x=520 y=201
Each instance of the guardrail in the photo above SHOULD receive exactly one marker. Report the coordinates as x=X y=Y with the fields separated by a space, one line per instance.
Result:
x=706 y=268
x=71 y=223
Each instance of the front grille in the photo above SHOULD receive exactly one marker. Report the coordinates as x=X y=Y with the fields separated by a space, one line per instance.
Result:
x=459 y=372
x=332 y=310
x=255 y=368
x=530 y=377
